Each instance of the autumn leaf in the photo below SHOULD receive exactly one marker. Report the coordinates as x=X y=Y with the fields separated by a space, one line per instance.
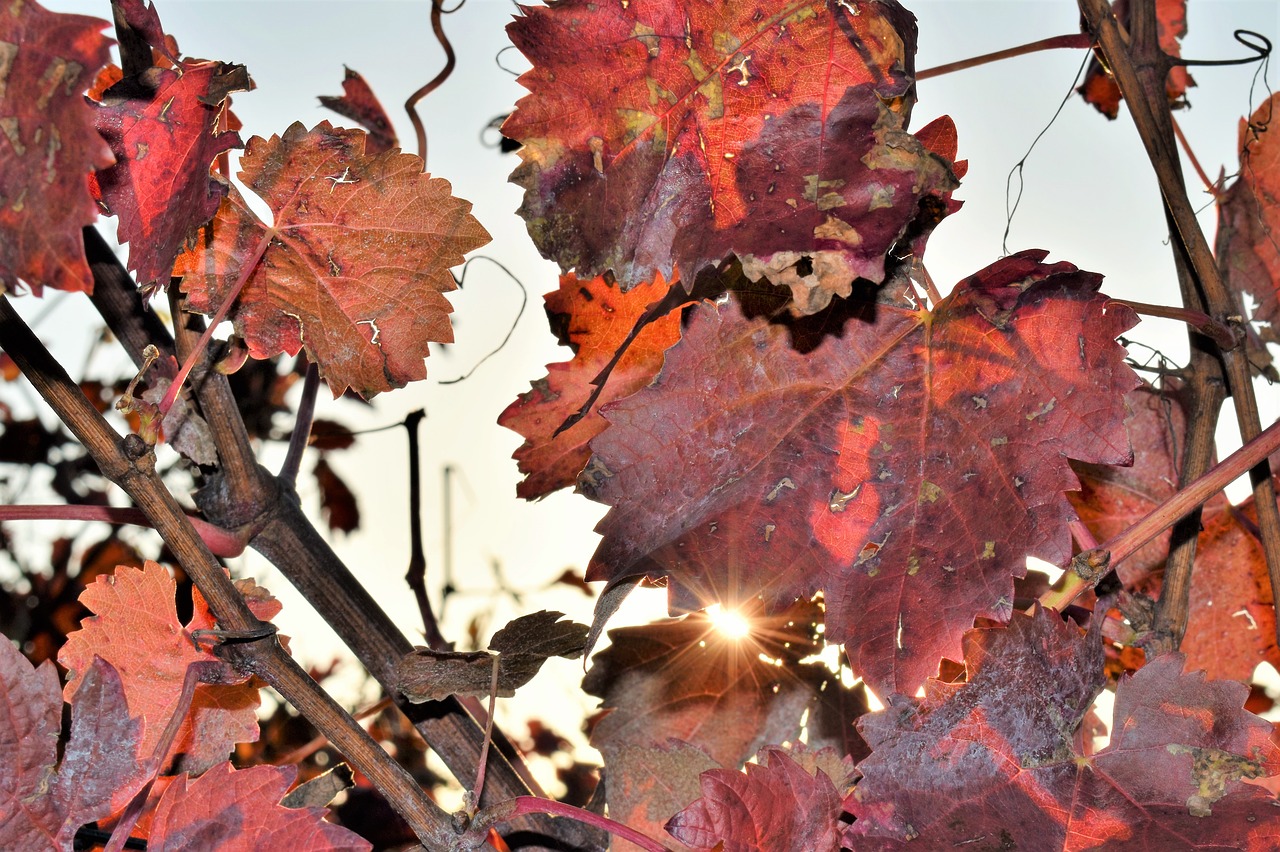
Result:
x=163 y=128
x=1248 y=242
x=904 y=461
x=595 y=318
x=136 y=629
x=353 y=269
x=49 y=146
x=678 y=697
x=358 y=103
x=42 y=803
x=774 y=805
x=239 y=811
x=519 y=649
x=1231 y=620
x=1005 y=768
x=661 y=136
x=1099 y=87
x=338 y=503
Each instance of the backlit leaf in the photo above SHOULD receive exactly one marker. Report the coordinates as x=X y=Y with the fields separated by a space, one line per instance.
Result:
x=1231 y=621
x=239 y=811
x=594 y=318
x=136 y=629
x=41 y=803
x=356 y=262
x=1004 y=766
x=358 y=103
x=48 y=146
x=773 y=806
x=663 y=136
x=902 y=460
x=1099 y=87
x=163 y=127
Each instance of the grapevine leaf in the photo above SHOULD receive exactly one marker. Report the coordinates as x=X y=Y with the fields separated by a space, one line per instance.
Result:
x=594 y=318
x=355 y=265
x=42 y=806
x=136 y=629
x=774 y=805
x=239 y=811
x=678 y=697
x=904 y=461
x=358 y=103
x=774 y=133
x=520 y=648
x=1004 y=767
x=1099 y=87
x=1248 y=243
x=162 y=126
x=338 y=503
x=48 y=146
x=1231 y=621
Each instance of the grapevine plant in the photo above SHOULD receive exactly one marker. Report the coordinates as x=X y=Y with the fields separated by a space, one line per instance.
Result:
x=789 y=420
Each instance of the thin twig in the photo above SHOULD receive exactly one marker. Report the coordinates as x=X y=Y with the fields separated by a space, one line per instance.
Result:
x=1073 y=40
x=1140 y=71
x=301 y=435
x=416 y=576
x=131 y=465
x=222 y=542
x=450 y=61
x=478 y=789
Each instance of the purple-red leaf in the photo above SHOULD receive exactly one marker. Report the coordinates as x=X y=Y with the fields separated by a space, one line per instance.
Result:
x=774 y=806
x=239 y=811
x=773 y=131
x=48 y=146
x=903 y=461
x=358 y=103
x=41 y=806
x=999 y=760
x=164 y=128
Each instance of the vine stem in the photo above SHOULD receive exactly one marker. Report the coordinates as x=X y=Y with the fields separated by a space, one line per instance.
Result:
x=1071 y=40
x=1217 y=331
x=197 y=353
x=1210 y=186
x=450 y=61
x=288 y=475
x=130 y=464
x=1085 y=569
x=1140 y=72
x=222 y=542
x=535 y=805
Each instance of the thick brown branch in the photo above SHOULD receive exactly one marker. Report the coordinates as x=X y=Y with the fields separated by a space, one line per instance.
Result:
x=1140 y=70
x=129 y=463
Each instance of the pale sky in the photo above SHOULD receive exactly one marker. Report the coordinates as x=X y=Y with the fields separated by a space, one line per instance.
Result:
x=1090 y=198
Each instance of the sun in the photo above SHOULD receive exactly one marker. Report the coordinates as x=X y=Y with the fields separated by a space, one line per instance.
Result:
x=729 y=623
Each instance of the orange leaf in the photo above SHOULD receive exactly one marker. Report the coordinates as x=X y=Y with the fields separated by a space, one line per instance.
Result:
x=355 y=264
x=594 y=318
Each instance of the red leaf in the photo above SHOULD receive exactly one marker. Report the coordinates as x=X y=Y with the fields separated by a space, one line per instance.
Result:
x=903 y=461
x=594 y=318
x=1003 y=766
x=355 y=266
x=232 y=810
x=162 y=127
x=136 y=629
x=338 y=504
x=775 y=805
x=679 y=697
x=1231 y=622
x=42 y=808
x=1248 y=244
x=1099 y=87
x=48 y=147
x=358 y=103
x=697 y=131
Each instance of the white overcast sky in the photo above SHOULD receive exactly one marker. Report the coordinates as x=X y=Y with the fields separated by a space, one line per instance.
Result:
x=1090 y=198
